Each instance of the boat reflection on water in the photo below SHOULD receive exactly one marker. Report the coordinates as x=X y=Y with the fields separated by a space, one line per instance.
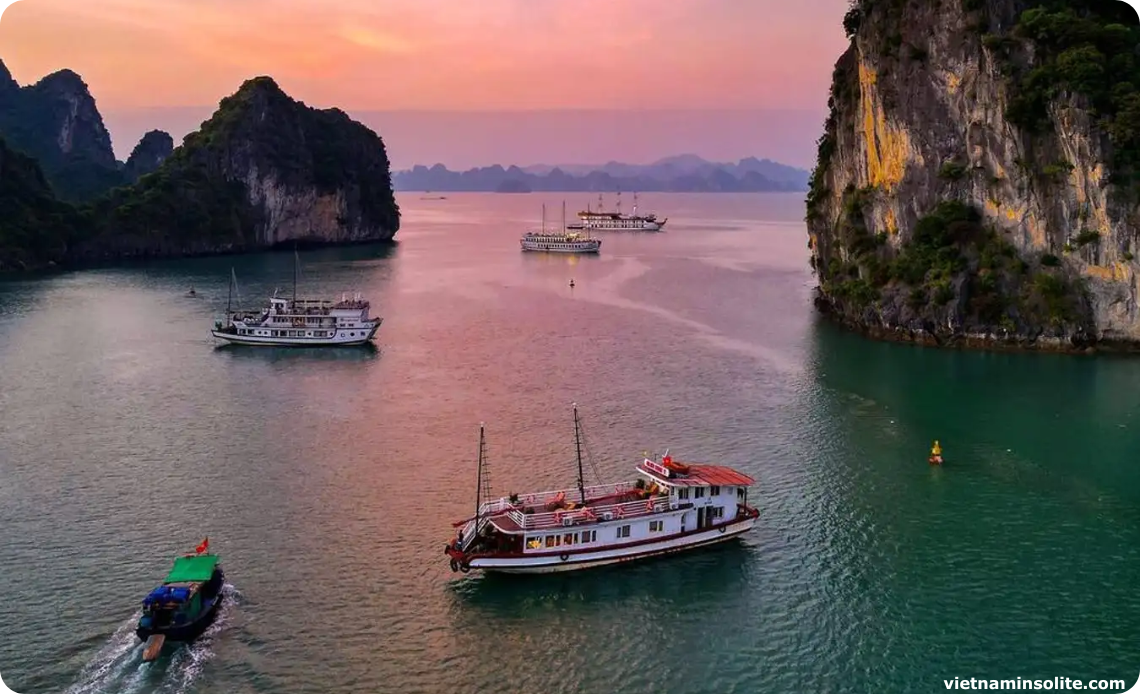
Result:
x=708 y=571
x=365 y=352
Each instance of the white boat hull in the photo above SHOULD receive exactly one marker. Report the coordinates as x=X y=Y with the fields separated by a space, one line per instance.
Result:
x=562 y=248
x=602 y=556
x=347 y=338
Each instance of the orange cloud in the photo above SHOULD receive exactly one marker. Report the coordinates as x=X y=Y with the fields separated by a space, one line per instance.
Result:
x=437 y=54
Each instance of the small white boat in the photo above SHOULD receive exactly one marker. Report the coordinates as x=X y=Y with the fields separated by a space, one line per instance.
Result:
x=673 y=507
x=299 y=322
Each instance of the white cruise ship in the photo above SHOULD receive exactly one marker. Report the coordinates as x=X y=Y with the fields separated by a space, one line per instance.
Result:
x=672 y=507
x=299 y=322
x=616 y=221
x=559 y=242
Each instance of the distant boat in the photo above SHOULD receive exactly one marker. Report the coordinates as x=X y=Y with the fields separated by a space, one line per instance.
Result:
x=559 y=242
x=299 y=322
x=192 y=293
x=185 y=604
x=616 y=221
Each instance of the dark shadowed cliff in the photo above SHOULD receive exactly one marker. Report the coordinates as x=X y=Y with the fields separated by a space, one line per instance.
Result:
x=35 y=228
x=977 y=181
x=148 y=155
x=55 y=122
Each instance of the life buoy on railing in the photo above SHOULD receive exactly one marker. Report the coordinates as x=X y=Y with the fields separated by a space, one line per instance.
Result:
x=722 y=529
x=563 y=556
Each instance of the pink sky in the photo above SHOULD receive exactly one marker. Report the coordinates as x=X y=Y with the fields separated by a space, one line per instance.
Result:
x=441 y=55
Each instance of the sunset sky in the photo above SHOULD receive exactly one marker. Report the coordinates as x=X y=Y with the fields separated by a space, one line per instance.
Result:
x=181 y=56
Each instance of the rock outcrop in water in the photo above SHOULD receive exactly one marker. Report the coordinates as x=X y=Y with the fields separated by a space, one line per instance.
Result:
x=264 y=170
x=977 y=181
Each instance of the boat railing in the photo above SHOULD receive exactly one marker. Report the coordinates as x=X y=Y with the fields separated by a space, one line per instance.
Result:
x=570 y=518
x=543 y=498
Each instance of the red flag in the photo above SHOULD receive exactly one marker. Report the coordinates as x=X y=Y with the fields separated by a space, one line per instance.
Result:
x=667 y=460
x=203 y=547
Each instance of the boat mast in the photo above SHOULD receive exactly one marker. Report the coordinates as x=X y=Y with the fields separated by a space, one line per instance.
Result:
x=479 y=480
x=563 y=217
x=544 y=217
x=296 y=271
x=230 y=297
x=578 y=448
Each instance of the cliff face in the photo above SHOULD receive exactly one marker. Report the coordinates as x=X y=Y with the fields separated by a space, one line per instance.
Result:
x=56 y=122
x=264 y=170
x=975 y=181
x=35 y=227
x=148 y=155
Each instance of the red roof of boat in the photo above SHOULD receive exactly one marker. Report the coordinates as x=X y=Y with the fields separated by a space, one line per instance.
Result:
x=709 y=475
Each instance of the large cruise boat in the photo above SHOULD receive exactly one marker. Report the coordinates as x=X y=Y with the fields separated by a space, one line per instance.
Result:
x=672 y=507
x=297 y=322
x=559 y=242
x=616 y=221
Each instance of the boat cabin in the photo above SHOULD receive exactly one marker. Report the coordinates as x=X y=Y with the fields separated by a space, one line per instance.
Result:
x=178 y=600
x=669 y=499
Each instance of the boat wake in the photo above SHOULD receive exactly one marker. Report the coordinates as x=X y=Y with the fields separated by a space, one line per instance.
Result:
x=118 y=667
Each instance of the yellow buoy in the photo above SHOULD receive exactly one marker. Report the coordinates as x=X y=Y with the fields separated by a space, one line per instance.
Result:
x=936 y=449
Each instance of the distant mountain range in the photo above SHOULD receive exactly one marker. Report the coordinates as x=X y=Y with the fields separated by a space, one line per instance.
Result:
x=682 y=173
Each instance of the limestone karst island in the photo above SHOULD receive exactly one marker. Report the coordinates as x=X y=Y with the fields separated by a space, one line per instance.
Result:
x=263 y=171
x=977 y=182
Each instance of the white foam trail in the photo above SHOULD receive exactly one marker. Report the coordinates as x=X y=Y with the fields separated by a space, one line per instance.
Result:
x=118 y=667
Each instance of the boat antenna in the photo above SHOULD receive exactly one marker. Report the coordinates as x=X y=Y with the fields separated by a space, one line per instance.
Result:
x=578 y=448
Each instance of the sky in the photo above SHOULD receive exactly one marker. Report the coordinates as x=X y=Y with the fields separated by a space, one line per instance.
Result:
x=694 y=70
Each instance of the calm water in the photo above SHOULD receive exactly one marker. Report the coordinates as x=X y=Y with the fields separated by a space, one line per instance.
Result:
x=328 y=480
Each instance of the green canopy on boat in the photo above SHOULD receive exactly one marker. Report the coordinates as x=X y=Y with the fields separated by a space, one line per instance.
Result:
x=197 y=568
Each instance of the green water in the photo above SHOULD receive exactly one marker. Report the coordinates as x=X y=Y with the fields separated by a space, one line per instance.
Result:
x=328 y=480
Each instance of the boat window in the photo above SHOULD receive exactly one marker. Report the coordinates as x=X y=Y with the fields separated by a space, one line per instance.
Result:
x=551 y=540
x=699 y=493
x=568 y=539
x=589 y=536
x=533 y=543
x=718 y=512
x=714 y=491
x=623 y=531
x=683 y=493
x=656 y=526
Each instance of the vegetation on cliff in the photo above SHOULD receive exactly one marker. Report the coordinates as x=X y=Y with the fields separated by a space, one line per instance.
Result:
x=265 y=169
x=55 y=122
x=958 y=191
x=1080 y=47
x=35 y=228
x=214 y=192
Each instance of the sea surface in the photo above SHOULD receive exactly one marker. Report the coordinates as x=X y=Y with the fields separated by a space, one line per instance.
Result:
x=328 y=480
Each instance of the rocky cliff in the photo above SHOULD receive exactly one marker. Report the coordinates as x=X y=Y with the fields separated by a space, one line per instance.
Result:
x=148 y=155
x=56 y=122
x=264 y=170
x=977 y=177
x=35 y=228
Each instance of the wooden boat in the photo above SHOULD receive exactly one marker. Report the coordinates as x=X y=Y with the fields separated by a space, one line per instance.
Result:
x=185 y=604
x=673 y=507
